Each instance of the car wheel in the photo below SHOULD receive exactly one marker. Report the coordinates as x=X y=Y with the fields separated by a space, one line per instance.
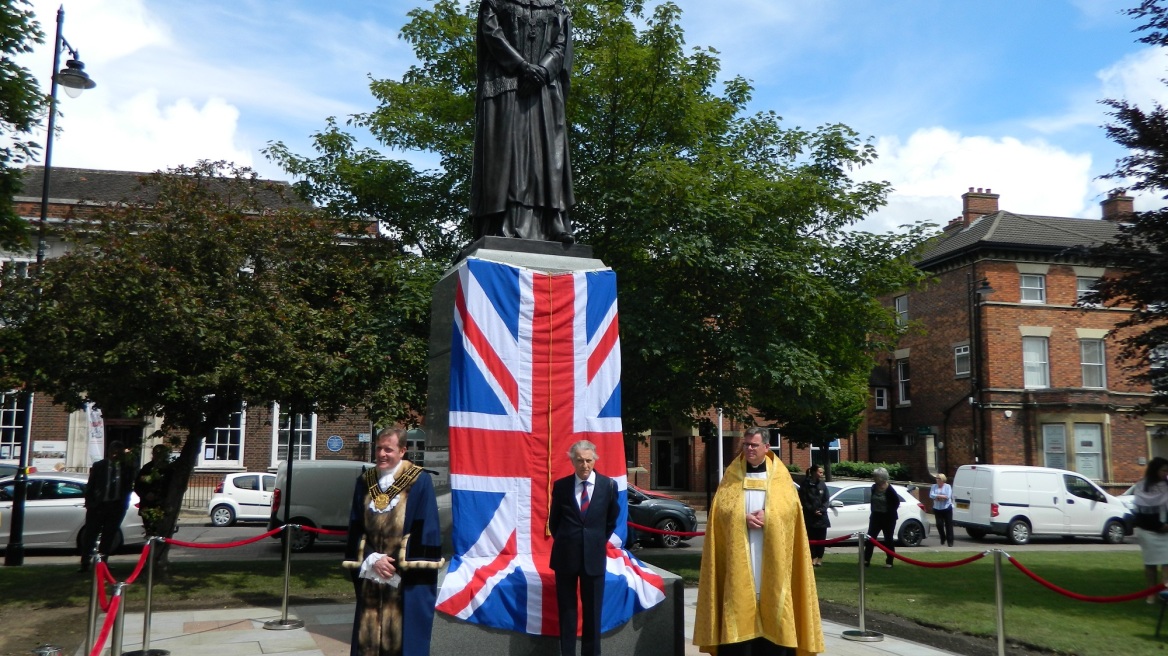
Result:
x=668 y=524
x=1113 y=533
x=912 y=534
x=301 y=540
x=1018 y=532
x=975 y=533
x=222 y=515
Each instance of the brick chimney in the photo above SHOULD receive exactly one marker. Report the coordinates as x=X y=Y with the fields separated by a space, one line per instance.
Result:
x=954 y=224
x=978 y=203
x=1118 y=206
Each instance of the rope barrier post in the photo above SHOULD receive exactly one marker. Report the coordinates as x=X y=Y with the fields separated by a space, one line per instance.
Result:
x=1000 y=601
x=119 y=620
x=284 y=624
x=151 y=544
x=91 y=621
x=863 y=635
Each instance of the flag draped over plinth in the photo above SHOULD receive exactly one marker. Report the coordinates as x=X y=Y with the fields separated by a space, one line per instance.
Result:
x=534 y=368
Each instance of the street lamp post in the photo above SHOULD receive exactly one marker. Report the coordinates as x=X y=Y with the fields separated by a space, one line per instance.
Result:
x=75 y=80
x=977 y=291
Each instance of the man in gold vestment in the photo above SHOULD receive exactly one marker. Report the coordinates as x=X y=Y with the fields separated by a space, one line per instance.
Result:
x=770 y=608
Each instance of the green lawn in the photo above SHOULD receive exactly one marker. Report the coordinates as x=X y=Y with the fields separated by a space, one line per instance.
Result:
x=962 y=598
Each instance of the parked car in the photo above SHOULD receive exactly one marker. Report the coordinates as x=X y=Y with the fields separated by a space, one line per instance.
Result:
x=1019 y=501
x=1128 y=498
x=54 y=512
x=662 y=513
x=851 y=505
x=322 y=493
x=243 y=497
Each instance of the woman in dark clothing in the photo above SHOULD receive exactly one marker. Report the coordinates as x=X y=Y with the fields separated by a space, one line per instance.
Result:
x=883 y=518
x=813 y=498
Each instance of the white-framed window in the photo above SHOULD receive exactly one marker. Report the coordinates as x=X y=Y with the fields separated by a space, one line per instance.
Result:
x=224 y=448
x=961 y=361
x=902 y=384
x=1035 y=363
x=1158 y=357
x=1033 y=288
x=17 y=267
x=1054 y=446
x=1089 y=450
x=901 y=303
x=833 y=453
x=299 y=430
x=12 y=418
x=880 y=398
x=1083 y=286
x=1092 y=359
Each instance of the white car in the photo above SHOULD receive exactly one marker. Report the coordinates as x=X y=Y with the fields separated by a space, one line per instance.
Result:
x=1128 y=498
x=850 y=507
x=54 y=512
x=246 y=496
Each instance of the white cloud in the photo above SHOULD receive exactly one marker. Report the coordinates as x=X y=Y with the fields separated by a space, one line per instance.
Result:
x=934 y=166
x=142 y=134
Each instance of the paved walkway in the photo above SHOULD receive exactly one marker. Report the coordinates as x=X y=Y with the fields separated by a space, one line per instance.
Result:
x=241 y=632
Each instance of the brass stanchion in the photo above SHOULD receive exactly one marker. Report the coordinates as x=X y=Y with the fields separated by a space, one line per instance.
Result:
x=863 y=635
x=146 y=650
x=283 y=624
x=1000 y=602
x=119 y=619
x=91 y=621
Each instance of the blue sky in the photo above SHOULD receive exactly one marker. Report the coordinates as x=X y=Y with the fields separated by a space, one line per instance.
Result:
x=995 y=94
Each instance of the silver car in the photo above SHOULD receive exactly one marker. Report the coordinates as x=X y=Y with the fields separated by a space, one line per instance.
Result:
x=851 y=507
x=54 y=512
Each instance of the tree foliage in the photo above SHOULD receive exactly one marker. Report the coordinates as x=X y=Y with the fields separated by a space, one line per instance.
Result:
x=20 y=111
x=1143 y=237
x=742 y=283
x=212 y=289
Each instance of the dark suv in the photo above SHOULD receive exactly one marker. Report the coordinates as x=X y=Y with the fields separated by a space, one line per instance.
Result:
x=659 y=512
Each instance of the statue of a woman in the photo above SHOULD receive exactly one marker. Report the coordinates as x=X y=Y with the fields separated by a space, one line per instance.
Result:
x=521 y=182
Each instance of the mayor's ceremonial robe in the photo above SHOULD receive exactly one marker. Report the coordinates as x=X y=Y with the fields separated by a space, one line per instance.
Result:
x=786 y=609
x=395 y=620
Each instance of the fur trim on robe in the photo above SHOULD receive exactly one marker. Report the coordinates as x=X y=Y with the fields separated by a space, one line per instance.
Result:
x=787 y=611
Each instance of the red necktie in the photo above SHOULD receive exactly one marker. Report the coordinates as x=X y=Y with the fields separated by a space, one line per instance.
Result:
x=583 y=497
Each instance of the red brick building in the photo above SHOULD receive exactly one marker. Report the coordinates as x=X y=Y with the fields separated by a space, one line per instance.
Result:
x=999 y=364
x=257 y=438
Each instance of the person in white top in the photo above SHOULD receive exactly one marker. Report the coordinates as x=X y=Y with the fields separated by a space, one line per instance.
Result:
x=1151 y=530
x=942 y=495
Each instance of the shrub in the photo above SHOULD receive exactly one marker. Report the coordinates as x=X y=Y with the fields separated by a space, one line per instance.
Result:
x=896 y=471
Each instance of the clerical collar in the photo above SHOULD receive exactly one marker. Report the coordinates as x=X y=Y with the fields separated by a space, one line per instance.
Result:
x=760 y=469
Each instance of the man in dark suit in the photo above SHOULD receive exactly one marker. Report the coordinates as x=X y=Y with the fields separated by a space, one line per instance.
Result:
x=107 y=497
x=585 y=507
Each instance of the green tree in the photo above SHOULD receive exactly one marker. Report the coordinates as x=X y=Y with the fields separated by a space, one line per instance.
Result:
x=213 y=289
x=741 y=281
x=20 y=111
x=1138 y=252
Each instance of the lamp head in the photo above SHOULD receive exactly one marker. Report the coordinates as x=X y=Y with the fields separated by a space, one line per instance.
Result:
x=984 y=289
x=74 y=78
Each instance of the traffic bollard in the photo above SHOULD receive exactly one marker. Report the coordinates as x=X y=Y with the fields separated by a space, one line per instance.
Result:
x=863 y=635
x=283 y=624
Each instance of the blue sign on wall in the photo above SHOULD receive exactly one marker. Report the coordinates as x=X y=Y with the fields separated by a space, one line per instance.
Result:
x=334 y=443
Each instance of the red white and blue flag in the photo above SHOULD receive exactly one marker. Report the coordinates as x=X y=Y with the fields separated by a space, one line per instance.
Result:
x=534 y=368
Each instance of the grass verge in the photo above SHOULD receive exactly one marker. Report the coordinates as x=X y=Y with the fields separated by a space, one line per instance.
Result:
x=961 y=599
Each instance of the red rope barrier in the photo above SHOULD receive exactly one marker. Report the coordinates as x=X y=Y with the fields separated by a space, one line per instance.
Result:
x=827 y=543
x=1079 y=597
x=141 y=563
x=925 y=563
x=322 y=531
x=111 y=615
x=224 y=545
x=102 y=573
x=683 y=534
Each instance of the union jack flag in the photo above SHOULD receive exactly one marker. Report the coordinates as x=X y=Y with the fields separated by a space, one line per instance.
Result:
x=534 y=368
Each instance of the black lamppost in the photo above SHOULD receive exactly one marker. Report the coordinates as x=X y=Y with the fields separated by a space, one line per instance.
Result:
x=75 y=80
x=977 y=291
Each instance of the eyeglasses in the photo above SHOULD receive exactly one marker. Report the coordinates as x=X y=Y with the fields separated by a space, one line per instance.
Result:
x=748 y=445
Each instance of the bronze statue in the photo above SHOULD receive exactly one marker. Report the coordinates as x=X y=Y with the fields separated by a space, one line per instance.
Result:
x=521 y=182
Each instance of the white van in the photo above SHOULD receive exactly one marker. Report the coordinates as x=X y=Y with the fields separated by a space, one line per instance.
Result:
x=1019 y=501
x=322 y=495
